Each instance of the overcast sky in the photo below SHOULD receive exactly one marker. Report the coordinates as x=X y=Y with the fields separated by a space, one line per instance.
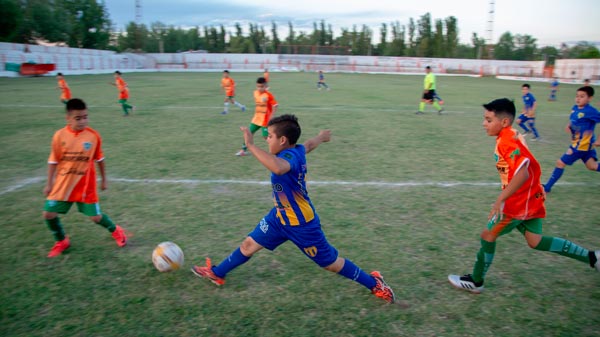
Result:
x=551 y=22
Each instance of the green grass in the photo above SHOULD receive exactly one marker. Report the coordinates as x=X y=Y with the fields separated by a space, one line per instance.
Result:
x=414 y=234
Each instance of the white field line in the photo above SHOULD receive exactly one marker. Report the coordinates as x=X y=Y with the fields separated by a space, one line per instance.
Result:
x=382 y=184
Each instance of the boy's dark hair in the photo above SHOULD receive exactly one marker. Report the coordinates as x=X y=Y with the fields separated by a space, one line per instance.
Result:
x=59 y=74
x=76 y=104
x=288 y=126
x=226 y=71
x=588 y=90
x=526 y=85
x=502 y=106
x=118 y=72
x=261 y=80
x=428 y=67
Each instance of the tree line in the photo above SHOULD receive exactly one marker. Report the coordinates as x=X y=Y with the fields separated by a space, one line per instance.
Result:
x=86 y=24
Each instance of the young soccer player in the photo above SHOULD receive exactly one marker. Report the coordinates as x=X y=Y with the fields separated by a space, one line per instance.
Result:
x=123 y=93
x=65 y=91
x=321 y=82
x=553 y=89
x=294 y=217
x=581 y=126
x=520 y=205
x=267 y=77
x=429 y=93
x=527 y=116
x=72 y=177
x=266 y=106
x=228 y=86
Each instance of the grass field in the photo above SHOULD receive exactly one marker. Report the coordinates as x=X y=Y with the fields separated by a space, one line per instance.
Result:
x=404 y=194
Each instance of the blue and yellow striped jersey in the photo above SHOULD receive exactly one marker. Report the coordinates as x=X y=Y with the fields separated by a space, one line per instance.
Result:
x=289 y=190
x=582 y=124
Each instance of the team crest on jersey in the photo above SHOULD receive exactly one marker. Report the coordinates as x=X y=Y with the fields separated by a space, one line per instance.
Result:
x=87 y=146
x=580 y=115
x=263 y=225
x=311 y=251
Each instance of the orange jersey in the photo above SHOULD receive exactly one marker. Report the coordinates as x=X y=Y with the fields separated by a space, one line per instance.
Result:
x=66 y=91
x=122 y=87
x=75 y=154
x=228 y=85
x=265 y=102
x=511 y=156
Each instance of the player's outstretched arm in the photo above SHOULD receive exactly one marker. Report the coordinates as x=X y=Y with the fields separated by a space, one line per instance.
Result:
x=271 y=162
x=323 y=137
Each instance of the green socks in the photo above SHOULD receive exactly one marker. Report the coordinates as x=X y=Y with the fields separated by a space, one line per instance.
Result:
x=107 y=223
x=56 y=228
x=484 y=260
x=563 y=247
x=422 y=106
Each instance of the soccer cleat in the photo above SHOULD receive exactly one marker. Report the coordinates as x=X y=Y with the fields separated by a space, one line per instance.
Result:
x=242 y=153
x=381 y=289
x=120 y=236
x=419 y=113
x=597 y=255
x=243 y=108
x=59 y=247
x=207 y=273
x=466 y=283
x=440 y=111
x=223 y=112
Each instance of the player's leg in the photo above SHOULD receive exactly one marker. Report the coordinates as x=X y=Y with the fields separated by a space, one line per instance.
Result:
x=531 y=124
x=238 y=104
x=474 y=282
x=226 y=105
x=532 y=230
x=51 y=210
x=95 y=214
x=591 y=161
x=521 y=121
x=568 y=158
x=264 y=235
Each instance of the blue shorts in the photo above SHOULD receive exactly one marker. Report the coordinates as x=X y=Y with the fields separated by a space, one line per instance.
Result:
x=522 y=118
x=309 y=238
x=569 y=159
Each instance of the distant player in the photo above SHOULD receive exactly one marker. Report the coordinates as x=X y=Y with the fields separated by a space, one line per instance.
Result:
x=526 y=119
x=429 y=93
x=228 y=86
x=293 y=217
x=266 y=106
x=321 y=81
x=520 y=205
x=581 y=126
x=75 y=151
x=553 y=89
x=65 y=91
x=266 y=75
x=123 y=93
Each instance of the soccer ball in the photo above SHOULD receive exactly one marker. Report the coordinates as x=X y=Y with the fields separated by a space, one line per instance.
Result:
x=167 y=256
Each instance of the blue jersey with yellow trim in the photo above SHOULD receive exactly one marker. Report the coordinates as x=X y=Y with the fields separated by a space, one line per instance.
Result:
x=583 y=122
x=289 y=190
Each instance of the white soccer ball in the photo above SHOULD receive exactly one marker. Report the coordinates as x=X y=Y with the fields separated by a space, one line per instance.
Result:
x=167 y=256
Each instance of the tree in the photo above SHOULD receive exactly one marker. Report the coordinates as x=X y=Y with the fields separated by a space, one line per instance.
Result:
x=451 y=42
x=505 y=47
x=11 y=20
x=424 y=41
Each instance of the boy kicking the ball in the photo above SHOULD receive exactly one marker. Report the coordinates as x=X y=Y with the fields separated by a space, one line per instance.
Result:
x=520 y=205
x=294 y=217
x=72 y=177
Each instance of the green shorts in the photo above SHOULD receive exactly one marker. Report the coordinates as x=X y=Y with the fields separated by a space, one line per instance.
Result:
x=253 y=127
x=122 y=101
x=62 y=207
x=507 y=224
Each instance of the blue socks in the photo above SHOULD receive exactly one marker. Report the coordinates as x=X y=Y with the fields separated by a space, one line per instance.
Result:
x=351 y=271
x=233 y=261
x=556 y=174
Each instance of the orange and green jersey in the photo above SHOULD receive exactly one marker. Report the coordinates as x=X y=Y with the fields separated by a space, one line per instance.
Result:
x=582 y=123
x=289 y=190
x=65 y=90
x=511 y=156
x=228 y=85
x=122 y=87
x=265 y=102
x=75 y=153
